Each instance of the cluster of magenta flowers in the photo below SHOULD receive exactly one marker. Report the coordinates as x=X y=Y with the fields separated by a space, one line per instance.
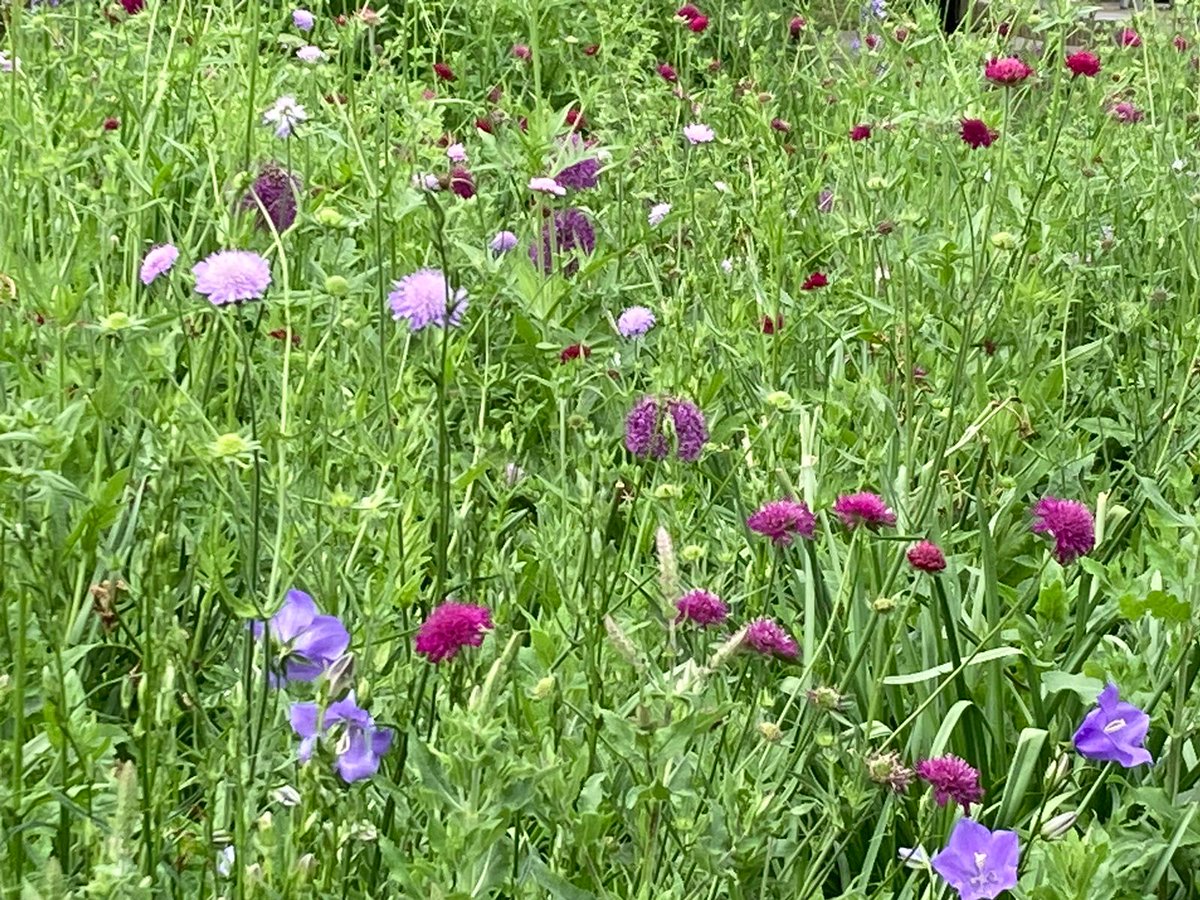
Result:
x=763 y=635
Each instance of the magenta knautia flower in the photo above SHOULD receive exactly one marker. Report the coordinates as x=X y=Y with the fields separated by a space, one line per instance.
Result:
x=926 y=556
x=503 y=242
x=303 y=19
x=543 y=185
x=1114 y=731
x=658 y=212
x=425 y=298
x=702 y=608
x=566 y=231
x=310 y=54
x=285 y=115
x=635 y=321
x=698 y=133
x=308 y=642
x=273 y=197
x=158 y=261
x=952 y=779
x=644 y=434
x=450 y=627
x=978 y=863
x=360 y=743
x=768 y=637
x=232 y=276
x=1070 y=524
x=863 y=509
x=1126 y=112
x=783 y=520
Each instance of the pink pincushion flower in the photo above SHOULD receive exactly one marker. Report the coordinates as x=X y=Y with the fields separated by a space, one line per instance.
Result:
x=782 y=520
x=768 y=637
x=425 y=298
x=698 y=133
x=1126 y=112
x=1083 y=63
x=702 y=608
x=1007 y=71
x=926 y=556
x=450 y=627
x=863 y=508
x=952 y=779
x=158 y=261
x=1070 y=524
x=668 y=73
x=1127 y=37
x=232 y=276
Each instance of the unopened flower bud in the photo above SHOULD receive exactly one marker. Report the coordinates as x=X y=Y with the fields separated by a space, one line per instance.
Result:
x=1058 y=826
x=770 y=731
x=337 y=286
x=914 y=857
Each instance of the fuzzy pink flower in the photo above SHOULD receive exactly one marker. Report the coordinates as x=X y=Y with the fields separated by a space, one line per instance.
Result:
x=1084 y=63
x=860 y=132
x=782 y=520
x=443 y=71
x=702 y=608
x=975 y=133
x=863 y=509
x=1070 y=524
x=768 y=637
x=952 y=779
x=1126 y=112
x=926 y=556
x=668 y=73
x=1007 y=71
x=1127 y=37
x=814 y=281
x=450 y=627
x=698 y=24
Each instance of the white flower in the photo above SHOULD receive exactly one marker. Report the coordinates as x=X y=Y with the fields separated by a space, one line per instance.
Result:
x=285 y=115
x=545 y=185
x=9 y=64
x=310 y=54
x=721 y=186
x=658 y=212
x=727 y=266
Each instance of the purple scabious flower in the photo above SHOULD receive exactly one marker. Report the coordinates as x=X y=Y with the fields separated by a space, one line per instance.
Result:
x=580 y=176
x=232 y=276
x=503 y=242
x=158 y=261
x=1114 y=731
x=568 y=230
x=698 y=133
x=303 y=19
x=978 y=863
x=863 y=509
x=273 y=197
x=952 y=779
x=702 y=608
x=691 y=431
x=308 y=641
x=766 y=636
x=644 y=429
x=1070 y=524
x=462 y=183
x=425 y=298
x=782 y=520
x=450 y=627
x=635 y=321
x=360 y=743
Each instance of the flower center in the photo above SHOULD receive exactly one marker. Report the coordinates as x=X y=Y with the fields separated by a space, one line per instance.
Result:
x=1114 y=725
x=984 y=877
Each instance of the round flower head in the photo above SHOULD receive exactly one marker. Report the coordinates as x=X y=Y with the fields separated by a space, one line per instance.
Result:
x=952 y=779
x=1127 y=37
x=1124 y=111
x=285 y=115
x=303 y=19
x=461 y=182
x=698 y=133
x=1069 y=523
x=567 y=230
x=860 y=132
x=443 y=71
x=976 y=134
x=456 y=153
x=1007 y=71
x=232 y=276
x=635 y=321
x=768 y=637
x=425 y=298
x=782 y=520
x=273 y=198
x=668 y=73
x=158 y=261
x=1114 y=731
x=658 y=212
x=979 y=864
x=580 y=174
x=503 y=242
x=310 y=54
x=1083 y=63
x=926 y=556
x=691 y=431
x=863 y=509
x=814 y=281
x=701 y=608
x=544 y=185
x=450 y=627
x=645 y=437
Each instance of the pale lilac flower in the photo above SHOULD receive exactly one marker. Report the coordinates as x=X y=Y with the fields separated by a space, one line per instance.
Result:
x=658 y=212
x=285 y=115
x=503 y=242
x=232 y=276
x=310 y=54
x=456 y=153
x=727 y=266
x=158 y=261
x=303 y=19
x=425 y=298
x=635 y=321
x=698 y=133
x=8 y=64
x=545 y=185
x=427 y=182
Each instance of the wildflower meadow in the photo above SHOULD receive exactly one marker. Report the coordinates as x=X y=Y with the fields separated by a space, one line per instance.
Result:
x=530 y=449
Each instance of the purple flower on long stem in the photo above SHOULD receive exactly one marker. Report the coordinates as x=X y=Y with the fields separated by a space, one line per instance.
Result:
x=450 y=627
x=273 y=197
x=232 y=276
x=702 y=608
x=978 y=863
x=1070 y=524
x=360 y=744
x=783 y=520
x=768 y=637
x=308 y=641
x=863 y=509
x=568 y=230
x=158 y=261
x=424 y=298
x=644 y=428
x=952 y=779
x=1114 y=731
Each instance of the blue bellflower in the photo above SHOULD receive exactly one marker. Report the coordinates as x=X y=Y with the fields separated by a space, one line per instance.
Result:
x=309 y=642
x=360 y=744
x=1114 y=731
x=978 y=863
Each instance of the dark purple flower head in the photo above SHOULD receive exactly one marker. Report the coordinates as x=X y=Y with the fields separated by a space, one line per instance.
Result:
x=952 y=779
x=978 y=863
x=568 y=230
x=645 y=434
x=461 y=182
x=360 y=744
x=766 y=636
x=702 y=608
x=926 y=556
x=691 y=431
x=643 y=430
x=782 y=520
x=1114 y=731
x=863 y=509
x=1070 y=524
x=273 y=197
x=308 y=641
x=450 y=627
x=579 y=172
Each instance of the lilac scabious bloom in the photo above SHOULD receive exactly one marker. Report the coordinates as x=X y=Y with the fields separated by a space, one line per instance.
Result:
x=635 y=321
x=702 y=608
x=285 y=115
x=768 y=637
x=456 y=153
x=232 y=276
x=503 y=242
x=158 y=261
x=978 y=863
x=566 y=231
x=308 y=641
x=273 y=197
x=952 y=779
x=698 y=133
x=450 y=627
x=1070 y=524
x=1114 y=731
x=360 y=744
x=425 y=298
x=645 y=437
x=782 y=520
x=303 y=19
x=310 y=54
x=658 y=212
x=863 y=509
x=543 y=185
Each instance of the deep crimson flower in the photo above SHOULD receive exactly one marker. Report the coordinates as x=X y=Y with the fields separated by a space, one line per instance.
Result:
x=112 y=123
x=462 y=183
x=574 y=351
x=872 y=41
x=863 y=509
x=702 y=608
x=283 y=334
x=1007 y=71
x=1003 y=29
x=901 y=35
x=576 y=119
x=770 y=326
x=450 y=627
x=443 y=71
x=952 y=779
x=860 y=132
x=1180 y=43
x=698 y=24
x=591 y=49
x=976 y=134
x=1071 y=525
x=484 y=123
x=133 y=7
x=667 y=72
x=796 y=26
x=781 y=125
x=687 y=12
x=814 y=281
x=1127 y=37
x=1083 y=63
x=926 y=556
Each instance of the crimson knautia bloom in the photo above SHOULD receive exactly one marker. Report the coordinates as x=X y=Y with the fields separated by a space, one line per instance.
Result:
x=635 y=321
x=1114 y=731
x=783 y=520
x=461 y=182
x=360 y=744
x=975 y=133
x=1180 y=43
x=503 y=242
x=303 y=19
x=232 y=276
x=426 y=298
x=796 y=26
x=863 y=508
x=133 y=7
x=952 y=779
x=978 y=863
x=308 y=641
x=644 y=428
x=768 y=637
x=698 y=24
x=814 y=281
x=702 y=608
x=573 y=352
x=1007 y=71
x=1127 y=37
x=1083 y=63
x=443 y=71
x=667 y=72
x=1070 y=524
x=860 y=132
x=158 y=261
x=687 y=12
x=450 y=627
x=926 y=556
x=566 y=231
x=273 y=197
x=522 y=52
x=698 y=133
x=770 y=326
